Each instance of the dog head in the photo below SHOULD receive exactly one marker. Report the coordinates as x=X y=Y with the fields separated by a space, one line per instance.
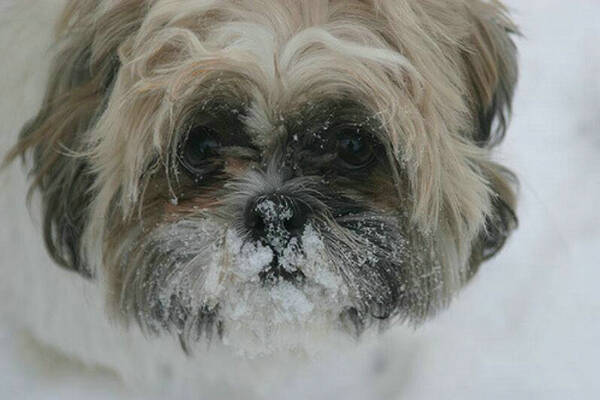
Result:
x=271 y=166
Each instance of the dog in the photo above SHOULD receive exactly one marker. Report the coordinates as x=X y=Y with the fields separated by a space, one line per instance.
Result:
x=263 y=173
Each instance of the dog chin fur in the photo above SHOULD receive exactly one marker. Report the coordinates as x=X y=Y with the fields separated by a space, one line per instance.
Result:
x=460 y=200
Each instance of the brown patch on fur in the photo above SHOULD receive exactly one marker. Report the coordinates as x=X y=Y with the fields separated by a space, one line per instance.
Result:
x=235 y=167
x=188 y=207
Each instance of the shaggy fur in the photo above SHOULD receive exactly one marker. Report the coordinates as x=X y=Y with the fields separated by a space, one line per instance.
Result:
x=427 y=82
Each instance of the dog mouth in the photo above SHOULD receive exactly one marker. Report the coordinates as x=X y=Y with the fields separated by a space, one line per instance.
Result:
x=275 y=272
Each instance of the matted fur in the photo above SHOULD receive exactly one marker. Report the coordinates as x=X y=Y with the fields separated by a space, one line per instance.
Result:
x=435 y=77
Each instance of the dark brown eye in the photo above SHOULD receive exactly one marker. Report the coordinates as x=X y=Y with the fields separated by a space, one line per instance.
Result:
x=198 y=154
x=353 y=150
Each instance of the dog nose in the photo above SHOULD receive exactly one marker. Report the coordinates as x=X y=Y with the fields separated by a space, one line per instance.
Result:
x=276 y=217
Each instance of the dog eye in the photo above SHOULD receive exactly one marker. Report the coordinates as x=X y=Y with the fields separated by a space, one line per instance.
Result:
x=353 y=150
x=197 y=155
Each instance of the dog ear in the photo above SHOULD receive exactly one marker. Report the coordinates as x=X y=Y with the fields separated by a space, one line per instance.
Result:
x=491 y=61
x=78 y=87
x=501 y=220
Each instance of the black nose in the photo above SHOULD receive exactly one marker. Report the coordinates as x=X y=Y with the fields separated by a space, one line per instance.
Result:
x=276 y=217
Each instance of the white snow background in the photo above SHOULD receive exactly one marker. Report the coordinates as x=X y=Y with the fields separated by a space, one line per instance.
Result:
x=528 y=326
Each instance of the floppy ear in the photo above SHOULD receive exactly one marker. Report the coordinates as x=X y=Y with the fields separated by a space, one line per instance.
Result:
x=501 y=220
x=491 y=63
x=54 y=140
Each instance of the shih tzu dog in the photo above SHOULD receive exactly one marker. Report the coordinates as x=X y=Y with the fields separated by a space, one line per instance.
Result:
x=242 y=171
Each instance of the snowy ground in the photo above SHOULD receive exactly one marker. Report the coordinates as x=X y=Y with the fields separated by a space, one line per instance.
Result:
x=528 y=326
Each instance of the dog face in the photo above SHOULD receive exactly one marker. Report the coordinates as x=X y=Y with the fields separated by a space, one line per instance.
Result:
x=268 y=167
